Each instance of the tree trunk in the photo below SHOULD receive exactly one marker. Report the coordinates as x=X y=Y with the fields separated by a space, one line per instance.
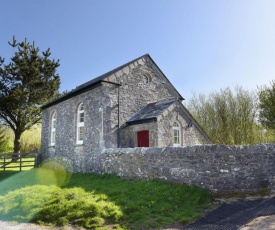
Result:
x=17 y=145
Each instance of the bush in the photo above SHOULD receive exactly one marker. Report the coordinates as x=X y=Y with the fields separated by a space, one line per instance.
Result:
x=51 y=205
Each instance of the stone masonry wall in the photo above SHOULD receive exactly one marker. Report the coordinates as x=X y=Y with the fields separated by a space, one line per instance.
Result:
x=130 y=134
x=134 y=94
x=190 y=135
x=219 y=168
x=100 y=123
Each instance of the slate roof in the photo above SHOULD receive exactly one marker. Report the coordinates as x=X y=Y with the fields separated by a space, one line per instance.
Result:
x=98 y=81
x=150 y=112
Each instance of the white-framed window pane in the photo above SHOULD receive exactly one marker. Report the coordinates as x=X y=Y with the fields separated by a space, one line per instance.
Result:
x=80 y=124
x=81 y=133
x=176 y=135
x=145 y=80
x=81 y=117
x=53 y=129
x=53 y=137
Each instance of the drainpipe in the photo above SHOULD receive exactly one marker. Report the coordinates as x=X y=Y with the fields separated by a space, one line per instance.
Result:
x=118 y=119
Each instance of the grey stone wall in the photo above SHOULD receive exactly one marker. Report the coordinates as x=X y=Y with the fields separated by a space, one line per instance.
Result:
x=100 y=125
x=190 y=135
x=129 y=134
x=219 y=168
x=134 y=94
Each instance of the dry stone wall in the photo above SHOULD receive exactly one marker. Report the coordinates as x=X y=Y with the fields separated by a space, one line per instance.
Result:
x=219 y=168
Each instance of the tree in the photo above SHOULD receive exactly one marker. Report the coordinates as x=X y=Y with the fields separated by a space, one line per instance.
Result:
x=3 y=141
x=229 y=117
x=267 y=106
x=27 y=82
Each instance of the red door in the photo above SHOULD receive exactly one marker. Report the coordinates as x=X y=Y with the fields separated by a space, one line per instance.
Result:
x=143 y=138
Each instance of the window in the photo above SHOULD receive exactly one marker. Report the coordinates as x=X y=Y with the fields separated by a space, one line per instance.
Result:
x=53 y=128
x=176 y=135
x=145 y=80
x=80 y=124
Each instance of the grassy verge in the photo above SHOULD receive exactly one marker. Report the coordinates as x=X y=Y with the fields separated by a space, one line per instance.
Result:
x=26 y=163
x=125 y=204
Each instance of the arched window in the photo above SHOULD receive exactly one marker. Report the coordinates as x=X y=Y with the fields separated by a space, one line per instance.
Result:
x=53 y=128
x=80 y=124
x=145 y=79
x=176 y=135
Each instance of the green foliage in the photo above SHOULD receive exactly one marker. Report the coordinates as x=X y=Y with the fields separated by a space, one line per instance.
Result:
x=267 y=105
x=143 y=204
x=4 y=142
x=8 y=135
x=228 y=117
x=26 y=83
x=31 y=139
x=51 y=205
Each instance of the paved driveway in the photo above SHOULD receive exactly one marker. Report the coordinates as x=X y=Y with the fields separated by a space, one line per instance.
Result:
x=234 y=216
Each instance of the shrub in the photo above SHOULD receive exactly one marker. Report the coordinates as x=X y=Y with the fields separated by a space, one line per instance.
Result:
x=51 y=205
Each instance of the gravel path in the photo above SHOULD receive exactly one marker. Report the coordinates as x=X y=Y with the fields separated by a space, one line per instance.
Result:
x=263 y=222
x=29 y=226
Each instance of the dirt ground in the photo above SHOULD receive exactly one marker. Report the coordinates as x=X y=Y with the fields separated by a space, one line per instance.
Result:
x=28 y=226
x=263 y=222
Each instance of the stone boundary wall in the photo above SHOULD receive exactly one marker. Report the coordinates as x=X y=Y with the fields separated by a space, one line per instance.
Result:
x=219 y=168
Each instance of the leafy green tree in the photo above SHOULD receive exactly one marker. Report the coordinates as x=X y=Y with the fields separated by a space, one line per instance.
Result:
x=267 y=105
x=27 y=82
x=3 y=141
x=229 y=117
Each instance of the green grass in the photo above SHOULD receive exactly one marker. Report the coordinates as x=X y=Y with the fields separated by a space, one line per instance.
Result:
x=136 y=204
x=27 y=164
x=53 y=205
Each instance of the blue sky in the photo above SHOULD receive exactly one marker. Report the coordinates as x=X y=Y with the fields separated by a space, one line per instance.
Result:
x=200 y=45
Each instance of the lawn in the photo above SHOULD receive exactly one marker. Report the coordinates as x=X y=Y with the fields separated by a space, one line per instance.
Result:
x=27 y=163
x=96 y=201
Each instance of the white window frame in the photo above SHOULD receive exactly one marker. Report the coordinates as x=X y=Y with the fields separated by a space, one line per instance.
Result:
x=53 y=129
x=176 y=135
x=80 y=123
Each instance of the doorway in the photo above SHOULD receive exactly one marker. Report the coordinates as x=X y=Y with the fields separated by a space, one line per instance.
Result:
x=143 y=138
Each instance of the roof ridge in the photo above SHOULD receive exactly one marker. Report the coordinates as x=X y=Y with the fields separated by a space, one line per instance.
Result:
x=98 y=80
x=102 y=76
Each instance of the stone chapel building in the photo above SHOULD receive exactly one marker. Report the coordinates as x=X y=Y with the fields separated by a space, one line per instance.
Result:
x=134 y=105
